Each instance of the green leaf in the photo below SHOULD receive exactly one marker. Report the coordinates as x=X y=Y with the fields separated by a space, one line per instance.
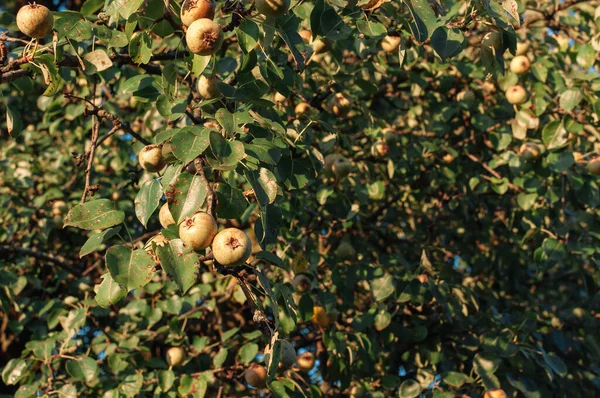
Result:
x=220 y=357
x=127 y=7
x=140 y=48
x=231 y=122
x=199 y=63
x=409 y=389
x=264 y=185
x=97 y=214
x=129 y=268
x=586 y=56
x=424 y=20
x=131 y=385
x=166 y=379
x=96 y=61
x=554 y=134
x=248 y=35
x=231 y=202
x=91 y=6
x=382 y=288
x=557 y=365
x=288 y=32
x=456 y=379
x=446 y=42
x=382 y=320
x=72 y=24
x=226 y=154
x=271 y=258
x=186 y=194
x=14 y=122
x=371 y=29
x=14 y=371
x=83 y=369
x=526 y=200
x=570 y=99
x=181 y=263
x=108 y=292
x=147 y=200
x=248 y=352
x=190 y=142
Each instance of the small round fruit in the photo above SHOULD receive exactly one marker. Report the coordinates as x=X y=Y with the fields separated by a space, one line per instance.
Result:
x=59 y=208
x=390 y=44
x=116 y=196
x=165 y=217
x=301 y=283
x=306 y=361
x=530 y=151
x=320 y=317
x=423 y=278
x=232 y=247
x=193 y=10
x=175 y=356
x=272 y=8
x=466 y=96
x=198 y=231
x=341 y=167
x=321 y=46
x=495 y=393
x=339 y=105
x=35 y=20
x=593 y=166
x=516 y=95
x=207 y=87
x=302 y=109
x=390 y=136
x=520 y=64
x=150 y=158
x=345 y=251
x=204 y=37
x=287 y=358
x=358 y=392
x=256 y=376
x=380 y=149
x=522 y=48
x=448 y=158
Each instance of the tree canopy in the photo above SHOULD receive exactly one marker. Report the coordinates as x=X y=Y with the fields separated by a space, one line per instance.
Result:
x=363 y=198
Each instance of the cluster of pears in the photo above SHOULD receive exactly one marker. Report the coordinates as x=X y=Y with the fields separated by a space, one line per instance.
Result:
x=520 y=65
x=203 y=35
x=231 y=247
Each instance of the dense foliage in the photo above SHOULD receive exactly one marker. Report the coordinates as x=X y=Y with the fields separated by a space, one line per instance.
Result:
x=418 y=180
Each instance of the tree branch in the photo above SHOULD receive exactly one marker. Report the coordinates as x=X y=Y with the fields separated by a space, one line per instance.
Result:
x=210 y=197
x=58 y=260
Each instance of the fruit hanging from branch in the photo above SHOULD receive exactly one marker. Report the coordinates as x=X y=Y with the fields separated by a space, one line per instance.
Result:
x=232 y=247
x=151 y=159
x=165 y=217
x=35 y=20
x=516 y=95
x=175 y=356
x=193 y=10
x=204 y=37
x=198 y=231
x=207 y=87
